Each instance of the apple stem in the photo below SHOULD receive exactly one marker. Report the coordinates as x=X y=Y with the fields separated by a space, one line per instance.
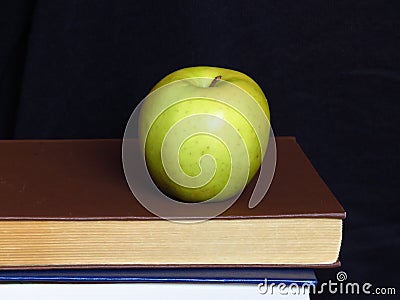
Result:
x=215 y=80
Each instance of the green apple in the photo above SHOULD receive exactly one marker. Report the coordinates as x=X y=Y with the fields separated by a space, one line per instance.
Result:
x=204 y=132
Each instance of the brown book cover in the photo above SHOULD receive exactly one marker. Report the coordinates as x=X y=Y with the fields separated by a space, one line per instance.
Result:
x=83 y=180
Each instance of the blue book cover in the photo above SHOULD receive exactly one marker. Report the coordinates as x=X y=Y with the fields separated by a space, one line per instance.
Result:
x=159 y=275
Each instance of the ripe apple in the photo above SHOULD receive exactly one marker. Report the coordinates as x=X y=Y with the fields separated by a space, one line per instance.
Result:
x=204 y=132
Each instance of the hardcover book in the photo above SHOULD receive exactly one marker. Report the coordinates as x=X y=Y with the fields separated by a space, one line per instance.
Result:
x=66 y=203
x=157 y=275
x=165 y=283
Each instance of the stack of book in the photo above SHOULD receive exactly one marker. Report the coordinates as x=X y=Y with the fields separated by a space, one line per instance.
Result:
x=67 y=215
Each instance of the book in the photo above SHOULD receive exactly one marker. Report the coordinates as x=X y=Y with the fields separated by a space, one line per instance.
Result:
x=66 y=203
x=157 y=275
x=165 y=283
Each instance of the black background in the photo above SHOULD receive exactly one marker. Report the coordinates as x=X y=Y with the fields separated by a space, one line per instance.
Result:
x=330 y=69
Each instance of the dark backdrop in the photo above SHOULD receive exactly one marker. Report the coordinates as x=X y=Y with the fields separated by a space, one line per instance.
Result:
x=330 y=69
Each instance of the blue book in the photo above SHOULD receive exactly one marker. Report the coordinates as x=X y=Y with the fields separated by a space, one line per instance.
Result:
x=154 y=275
x=157 y=283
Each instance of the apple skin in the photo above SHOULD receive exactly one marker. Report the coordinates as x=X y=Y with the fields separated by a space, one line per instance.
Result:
x=221 y=140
